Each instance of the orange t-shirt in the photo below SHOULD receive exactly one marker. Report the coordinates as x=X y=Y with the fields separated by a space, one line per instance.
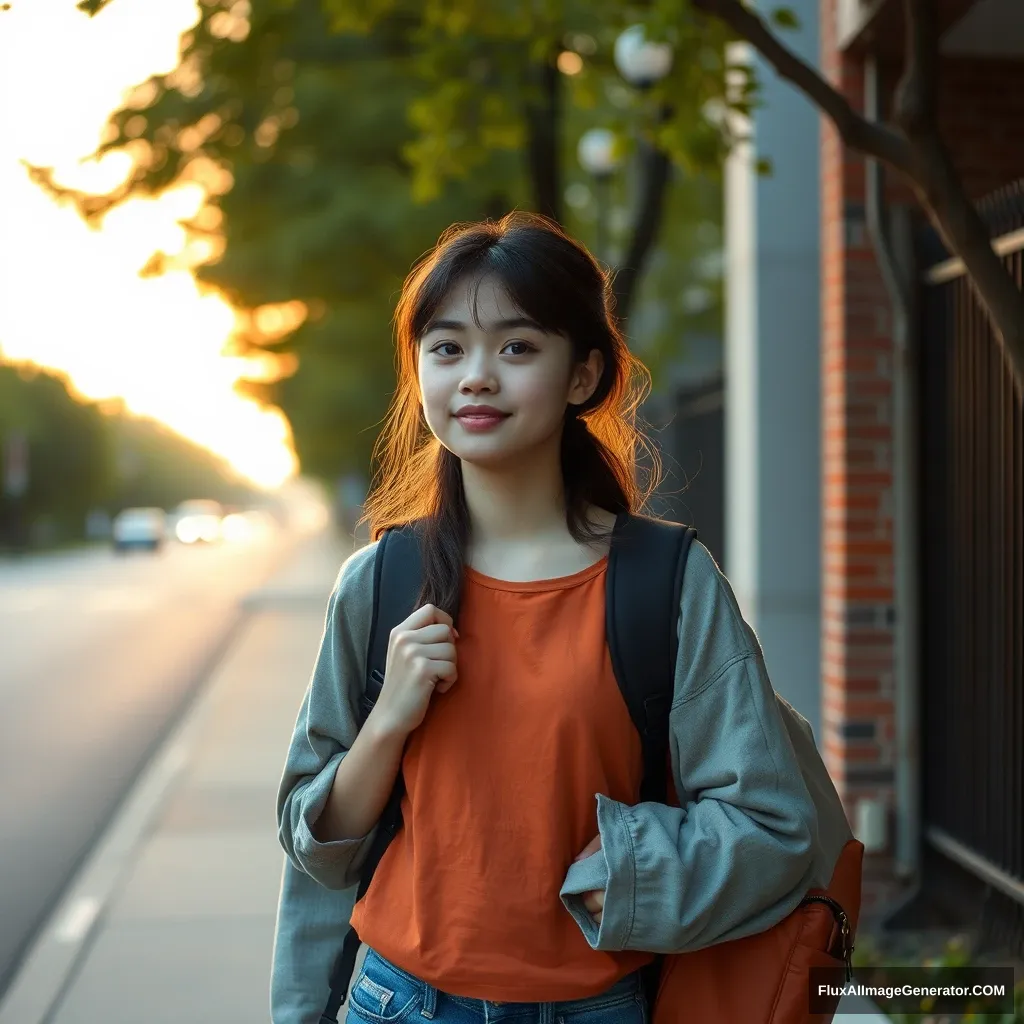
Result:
x=500 y=782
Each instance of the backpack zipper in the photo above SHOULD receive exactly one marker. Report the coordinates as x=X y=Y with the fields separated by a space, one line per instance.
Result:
x=846 y=947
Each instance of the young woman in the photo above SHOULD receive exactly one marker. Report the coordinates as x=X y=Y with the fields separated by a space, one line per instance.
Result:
x=526 y=881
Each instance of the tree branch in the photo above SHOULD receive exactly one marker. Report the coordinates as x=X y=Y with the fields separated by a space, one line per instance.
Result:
x=875 y=140
x=914 y=106
x=941 y=192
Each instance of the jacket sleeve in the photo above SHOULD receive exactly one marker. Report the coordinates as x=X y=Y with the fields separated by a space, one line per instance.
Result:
x=308 y=936
x=326 y=728
x=739 y=853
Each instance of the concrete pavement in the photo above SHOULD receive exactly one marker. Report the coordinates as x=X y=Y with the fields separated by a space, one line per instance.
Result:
x=172 y=917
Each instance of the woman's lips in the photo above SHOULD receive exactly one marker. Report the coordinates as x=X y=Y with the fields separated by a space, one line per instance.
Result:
x=477 y=421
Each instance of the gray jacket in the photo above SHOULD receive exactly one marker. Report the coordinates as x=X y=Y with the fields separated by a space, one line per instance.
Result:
x=760 y=821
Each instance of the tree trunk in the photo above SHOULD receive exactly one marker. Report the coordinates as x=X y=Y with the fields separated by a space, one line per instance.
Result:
x=654 y=182
x=543 y=119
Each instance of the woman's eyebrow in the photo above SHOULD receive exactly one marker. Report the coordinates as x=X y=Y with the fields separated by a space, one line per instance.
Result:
x=498 y=325
x=445 y=325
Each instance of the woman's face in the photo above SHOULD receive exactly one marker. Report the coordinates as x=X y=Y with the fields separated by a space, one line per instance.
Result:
x=500 y=360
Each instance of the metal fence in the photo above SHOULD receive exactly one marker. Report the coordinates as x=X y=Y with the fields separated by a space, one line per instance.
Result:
x=972 y=464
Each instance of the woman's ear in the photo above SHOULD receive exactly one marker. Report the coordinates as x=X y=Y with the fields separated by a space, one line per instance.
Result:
x=586 y=376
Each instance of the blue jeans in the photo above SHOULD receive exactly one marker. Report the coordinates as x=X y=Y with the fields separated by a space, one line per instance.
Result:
x=385 y=994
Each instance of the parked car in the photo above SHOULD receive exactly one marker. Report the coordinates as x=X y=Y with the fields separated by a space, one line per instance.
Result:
x=139 y=528
x=198 y=520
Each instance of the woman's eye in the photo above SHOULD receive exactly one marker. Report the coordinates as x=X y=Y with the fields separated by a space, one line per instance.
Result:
x=446 y=345
x=524 y=347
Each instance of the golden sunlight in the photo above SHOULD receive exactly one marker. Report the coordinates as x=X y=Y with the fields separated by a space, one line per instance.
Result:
x=72 y=297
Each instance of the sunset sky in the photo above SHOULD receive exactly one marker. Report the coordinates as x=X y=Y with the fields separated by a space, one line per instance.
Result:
x=70 y=297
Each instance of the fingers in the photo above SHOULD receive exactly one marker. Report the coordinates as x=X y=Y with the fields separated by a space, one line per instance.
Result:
x=592 y=847
x=434 y=642
x=445 y=674
x=594 y=903
x=441 y=668
x=433 y=634
x=425 y=645
x=435 y=652
x=425 y=616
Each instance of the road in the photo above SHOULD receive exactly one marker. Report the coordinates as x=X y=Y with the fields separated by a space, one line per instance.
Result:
x=98 y=655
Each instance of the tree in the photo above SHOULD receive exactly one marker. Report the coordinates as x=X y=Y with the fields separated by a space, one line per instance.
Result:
x=319 y=204
x=69 y=458
x=509 y=76
x=310 y=221
x=911 y=144
x=86 y=455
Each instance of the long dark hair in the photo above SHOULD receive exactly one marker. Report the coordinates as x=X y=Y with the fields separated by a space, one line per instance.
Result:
x=553 y=280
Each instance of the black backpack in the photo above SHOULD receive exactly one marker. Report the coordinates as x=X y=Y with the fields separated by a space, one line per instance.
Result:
x=646 y=563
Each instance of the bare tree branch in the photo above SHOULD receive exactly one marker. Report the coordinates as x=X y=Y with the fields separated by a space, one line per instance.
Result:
x=915 y=98
x=942 y=193
x=875 y=140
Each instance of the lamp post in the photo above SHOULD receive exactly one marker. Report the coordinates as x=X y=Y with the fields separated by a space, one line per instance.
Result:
x=599 y=156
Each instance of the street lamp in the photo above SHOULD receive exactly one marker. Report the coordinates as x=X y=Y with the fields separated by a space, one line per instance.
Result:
x=599 y=156
x=641 y=63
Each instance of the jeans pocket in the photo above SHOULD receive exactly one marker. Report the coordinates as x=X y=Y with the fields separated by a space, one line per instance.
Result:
x=381 y=994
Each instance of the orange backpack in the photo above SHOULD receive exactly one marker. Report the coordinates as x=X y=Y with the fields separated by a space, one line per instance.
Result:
x=765 y=978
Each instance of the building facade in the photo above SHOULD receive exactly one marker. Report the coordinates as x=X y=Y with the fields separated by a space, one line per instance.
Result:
x=874 y=459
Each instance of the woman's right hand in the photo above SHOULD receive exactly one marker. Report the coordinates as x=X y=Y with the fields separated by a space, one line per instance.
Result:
x=421 y=659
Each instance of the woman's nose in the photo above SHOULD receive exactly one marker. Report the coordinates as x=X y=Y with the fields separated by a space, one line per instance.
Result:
x=478 y=376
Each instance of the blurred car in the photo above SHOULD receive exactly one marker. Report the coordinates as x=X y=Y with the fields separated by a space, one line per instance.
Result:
x=198 y=520
x=245 y=527
x=139 y=528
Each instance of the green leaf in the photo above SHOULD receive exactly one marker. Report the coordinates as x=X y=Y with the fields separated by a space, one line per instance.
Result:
x=91 y=7
x=785 y=18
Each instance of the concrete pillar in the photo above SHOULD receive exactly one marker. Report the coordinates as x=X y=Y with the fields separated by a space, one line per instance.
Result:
x=773 y=421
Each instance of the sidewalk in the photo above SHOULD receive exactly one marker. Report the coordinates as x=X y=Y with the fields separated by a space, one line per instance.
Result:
x=172 y=918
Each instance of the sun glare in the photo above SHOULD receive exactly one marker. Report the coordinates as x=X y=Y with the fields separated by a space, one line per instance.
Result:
x=71 y=298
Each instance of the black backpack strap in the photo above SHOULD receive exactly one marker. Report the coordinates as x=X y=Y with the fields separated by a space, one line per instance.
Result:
x=646 y=564
x=397 y=579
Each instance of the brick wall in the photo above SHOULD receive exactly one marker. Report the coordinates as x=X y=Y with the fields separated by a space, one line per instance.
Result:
x=982 y=104
x=857 y=559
